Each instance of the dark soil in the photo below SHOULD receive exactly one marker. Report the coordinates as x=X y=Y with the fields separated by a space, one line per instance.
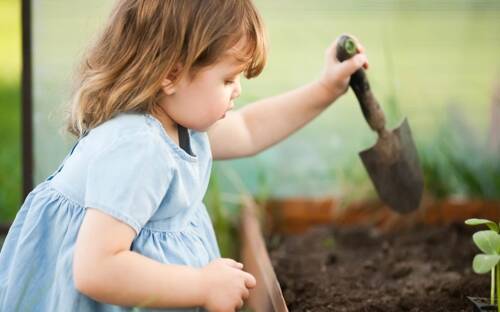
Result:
x=424 y=269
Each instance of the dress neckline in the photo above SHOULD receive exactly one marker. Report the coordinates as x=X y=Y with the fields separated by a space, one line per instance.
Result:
x=177 y=149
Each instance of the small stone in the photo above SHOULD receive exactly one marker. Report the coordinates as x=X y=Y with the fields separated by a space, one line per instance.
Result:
x=385 y=246
x=369 y=265
x=331 y=258
x=401 y=271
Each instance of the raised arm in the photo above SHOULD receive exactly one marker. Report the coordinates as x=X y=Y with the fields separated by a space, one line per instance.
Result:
x=264 y=123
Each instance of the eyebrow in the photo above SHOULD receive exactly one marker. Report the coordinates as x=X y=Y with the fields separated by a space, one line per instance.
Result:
x=237 y=70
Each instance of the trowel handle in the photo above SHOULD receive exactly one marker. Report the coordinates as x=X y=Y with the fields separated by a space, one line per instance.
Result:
x=346 y=48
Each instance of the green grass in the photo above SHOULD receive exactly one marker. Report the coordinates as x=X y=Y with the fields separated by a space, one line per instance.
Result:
x=10 y=41
x=225 y=224
x=10 y=126
x=458 y=163
x=10 y=154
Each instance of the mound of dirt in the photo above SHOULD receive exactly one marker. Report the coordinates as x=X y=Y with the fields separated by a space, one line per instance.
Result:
x=357 y=269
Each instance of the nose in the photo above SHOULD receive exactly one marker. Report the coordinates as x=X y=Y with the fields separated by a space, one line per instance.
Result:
x=237 y=89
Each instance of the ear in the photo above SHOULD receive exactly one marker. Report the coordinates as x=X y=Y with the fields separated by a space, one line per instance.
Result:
x=167 y=84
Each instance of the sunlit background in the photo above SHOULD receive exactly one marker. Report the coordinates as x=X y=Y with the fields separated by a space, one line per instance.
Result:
x=435 y=62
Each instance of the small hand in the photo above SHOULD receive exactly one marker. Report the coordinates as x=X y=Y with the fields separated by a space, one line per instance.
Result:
x=336 y=74
x=226 y=285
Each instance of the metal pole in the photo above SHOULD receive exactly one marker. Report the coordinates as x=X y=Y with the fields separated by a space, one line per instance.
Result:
x=26 y=96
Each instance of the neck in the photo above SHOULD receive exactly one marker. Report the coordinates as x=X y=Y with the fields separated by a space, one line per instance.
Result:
x=168 y=123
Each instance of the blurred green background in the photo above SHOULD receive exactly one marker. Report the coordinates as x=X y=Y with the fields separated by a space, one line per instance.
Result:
x=434 y=62
x=10 y=108
x=429 y=60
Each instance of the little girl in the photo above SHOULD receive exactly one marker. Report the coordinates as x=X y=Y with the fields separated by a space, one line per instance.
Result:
x=121 y=222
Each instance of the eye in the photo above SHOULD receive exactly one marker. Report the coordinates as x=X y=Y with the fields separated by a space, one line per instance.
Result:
x=228 y=82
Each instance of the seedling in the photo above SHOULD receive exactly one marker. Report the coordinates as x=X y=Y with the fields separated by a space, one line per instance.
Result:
x=488 y=241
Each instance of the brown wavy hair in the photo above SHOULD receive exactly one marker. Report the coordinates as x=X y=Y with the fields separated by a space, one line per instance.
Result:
x=144 y=41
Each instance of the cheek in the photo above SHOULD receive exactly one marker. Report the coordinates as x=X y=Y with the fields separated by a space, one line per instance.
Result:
x=220 y=98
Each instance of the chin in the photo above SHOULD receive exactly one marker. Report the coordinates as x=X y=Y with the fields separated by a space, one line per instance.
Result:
x=199 y=128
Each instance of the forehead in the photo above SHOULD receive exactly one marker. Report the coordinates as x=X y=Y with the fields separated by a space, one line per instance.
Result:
x=235 y=58
x=231 y=64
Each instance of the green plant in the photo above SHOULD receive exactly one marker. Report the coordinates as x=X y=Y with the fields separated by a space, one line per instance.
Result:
x=457 y=163
x=488 y=241
x=223 y=227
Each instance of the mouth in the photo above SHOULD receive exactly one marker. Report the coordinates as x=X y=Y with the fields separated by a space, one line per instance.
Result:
x=224 y=115
x=230 y=108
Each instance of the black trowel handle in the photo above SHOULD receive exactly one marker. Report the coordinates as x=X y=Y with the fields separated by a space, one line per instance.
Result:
x=346 y=48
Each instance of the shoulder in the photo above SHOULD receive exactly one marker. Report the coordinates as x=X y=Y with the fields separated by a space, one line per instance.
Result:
x=122 y=125
x=125 y=128
x=124 y=140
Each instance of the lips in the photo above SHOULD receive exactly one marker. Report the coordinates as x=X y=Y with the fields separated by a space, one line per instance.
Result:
x=230 y=108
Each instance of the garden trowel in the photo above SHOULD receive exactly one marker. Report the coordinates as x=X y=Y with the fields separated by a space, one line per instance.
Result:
x=392 y=163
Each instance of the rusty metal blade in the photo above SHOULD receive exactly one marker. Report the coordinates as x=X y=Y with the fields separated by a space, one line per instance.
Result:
x=394 y=168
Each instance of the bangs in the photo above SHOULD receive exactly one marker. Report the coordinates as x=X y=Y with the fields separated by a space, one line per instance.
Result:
x=249 y=44
x=235 y=29
x=252 y=53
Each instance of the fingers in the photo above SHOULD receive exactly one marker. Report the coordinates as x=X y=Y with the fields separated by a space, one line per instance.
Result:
x=250 y=281
x=331 y=51
x=245 y=293
x=360 y=60
x=240 y=305
x=348 y=67
x=232 y=263
x=361 y=50
x=244 y=296
x=332 y=48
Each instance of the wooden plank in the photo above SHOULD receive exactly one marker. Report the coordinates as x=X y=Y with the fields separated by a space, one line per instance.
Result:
x=267 y=295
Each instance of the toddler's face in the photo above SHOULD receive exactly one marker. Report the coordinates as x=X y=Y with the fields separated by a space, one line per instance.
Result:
x=199 y=103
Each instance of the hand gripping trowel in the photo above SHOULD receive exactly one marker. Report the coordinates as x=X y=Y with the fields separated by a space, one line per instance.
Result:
x=392 y=163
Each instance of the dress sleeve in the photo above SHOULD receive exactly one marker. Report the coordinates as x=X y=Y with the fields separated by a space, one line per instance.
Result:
x=128 y=179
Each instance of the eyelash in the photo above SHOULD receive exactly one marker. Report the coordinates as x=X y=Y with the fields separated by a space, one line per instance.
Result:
x=228 y=82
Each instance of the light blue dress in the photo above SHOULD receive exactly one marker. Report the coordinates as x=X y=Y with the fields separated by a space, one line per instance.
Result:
x=130 y=169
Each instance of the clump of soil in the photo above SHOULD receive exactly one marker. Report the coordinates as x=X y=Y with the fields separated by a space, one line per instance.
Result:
x=423 y=269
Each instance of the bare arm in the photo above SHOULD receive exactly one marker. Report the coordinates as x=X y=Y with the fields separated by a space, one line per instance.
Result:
x=264 y=123
x=106 y=270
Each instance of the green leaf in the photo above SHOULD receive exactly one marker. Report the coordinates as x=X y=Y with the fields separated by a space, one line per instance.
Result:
x=490 y=224
x=484 y=263
x=487 y=241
